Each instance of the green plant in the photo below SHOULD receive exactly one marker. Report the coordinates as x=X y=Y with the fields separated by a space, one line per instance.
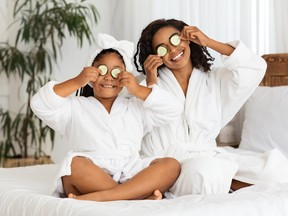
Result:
x=43 y=26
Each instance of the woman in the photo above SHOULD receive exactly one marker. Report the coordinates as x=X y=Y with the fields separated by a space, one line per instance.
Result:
x=174 y=56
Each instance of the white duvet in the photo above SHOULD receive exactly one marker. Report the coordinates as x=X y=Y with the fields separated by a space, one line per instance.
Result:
x=27 y=191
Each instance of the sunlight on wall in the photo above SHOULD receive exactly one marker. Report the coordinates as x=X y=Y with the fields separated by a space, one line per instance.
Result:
x=260 y=26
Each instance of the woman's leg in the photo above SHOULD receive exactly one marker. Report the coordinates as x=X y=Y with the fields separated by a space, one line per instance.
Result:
x=86 y=177
x=160 y=175
x=236 y=185
x=204 y=175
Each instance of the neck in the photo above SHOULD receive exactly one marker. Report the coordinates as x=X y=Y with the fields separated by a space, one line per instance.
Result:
x=107 y=102
x=183 y=75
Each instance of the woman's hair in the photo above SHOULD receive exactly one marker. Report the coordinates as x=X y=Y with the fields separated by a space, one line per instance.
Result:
x=87 y=90
x=200 y=56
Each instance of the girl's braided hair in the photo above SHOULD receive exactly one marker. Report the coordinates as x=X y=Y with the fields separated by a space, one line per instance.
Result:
x=200 y=56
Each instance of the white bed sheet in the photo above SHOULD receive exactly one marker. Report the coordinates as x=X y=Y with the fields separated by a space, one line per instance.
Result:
x=26 y=191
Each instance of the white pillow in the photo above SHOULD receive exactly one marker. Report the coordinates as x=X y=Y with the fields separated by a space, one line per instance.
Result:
x=266 y=120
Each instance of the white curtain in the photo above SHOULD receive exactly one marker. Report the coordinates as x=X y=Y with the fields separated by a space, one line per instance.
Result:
x=278 y=26
x=261 y=24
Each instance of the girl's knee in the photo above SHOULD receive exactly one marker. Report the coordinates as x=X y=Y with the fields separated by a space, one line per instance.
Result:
x=170 y=164
x=78 y=164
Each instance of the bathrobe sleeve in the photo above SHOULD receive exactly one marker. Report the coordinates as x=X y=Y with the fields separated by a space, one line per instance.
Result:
x=160 y=108
x=239 y=78
x=52 y=109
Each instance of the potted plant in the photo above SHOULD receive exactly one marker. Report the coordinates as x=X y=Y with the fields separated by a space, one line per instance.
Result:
x=43 y=25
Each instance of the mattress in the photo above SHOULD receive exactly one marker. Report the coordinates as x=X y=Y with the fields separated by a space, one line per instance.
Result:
x=27 y=191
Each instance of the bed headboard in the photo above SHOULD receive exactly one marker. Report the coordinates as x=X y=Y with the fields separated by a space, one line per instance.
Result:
x=277 y=70
x=276 y=75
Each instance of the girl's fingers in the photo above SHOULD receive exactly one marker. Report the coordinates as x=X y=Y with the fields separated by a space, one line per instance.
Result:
x=89 y=74
x=124 y=74
x=127 y=81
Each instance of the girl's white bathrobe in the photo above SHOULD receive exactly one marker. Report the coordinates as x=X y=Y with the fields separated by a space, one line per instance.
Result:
x=212 y=100
x=111 y=140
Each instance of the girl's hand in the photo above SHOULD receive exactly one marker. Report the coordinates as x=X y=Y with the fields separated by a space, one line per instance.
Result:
x=67 y=87
x=151 y=65
x=87 y=74
x=129 y=81
x=192 y=33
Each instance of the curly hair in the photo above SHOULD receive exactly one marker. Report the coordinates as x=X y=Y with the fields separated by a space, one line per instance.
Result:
x=200 y=56
x=87 y=90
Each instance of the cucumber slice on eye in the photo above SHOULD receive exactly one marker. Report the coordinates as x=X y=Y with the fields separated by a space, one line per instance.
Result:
x=115 y=72
x=103 y=69
x=162 y=51
x=175 y=39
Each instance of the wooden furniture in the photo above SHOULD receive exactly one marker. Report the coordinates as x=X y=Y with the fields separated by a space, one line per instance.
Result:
x=276 y=75
x=277 y=70
x=30 y=161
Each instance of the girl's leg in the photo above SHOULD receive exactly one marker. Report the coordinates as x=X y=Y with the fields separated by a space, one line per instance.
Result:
x=160 y=175
x=86 y=177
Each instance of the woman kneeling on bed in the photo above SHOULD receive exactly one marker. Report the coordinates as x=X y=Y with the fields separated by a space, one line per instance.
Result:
x=106 y=128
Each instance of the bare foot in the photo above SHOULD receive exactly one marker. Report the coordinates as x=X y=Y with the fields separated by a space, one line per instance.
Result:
x=157 y=195
x=73 y=196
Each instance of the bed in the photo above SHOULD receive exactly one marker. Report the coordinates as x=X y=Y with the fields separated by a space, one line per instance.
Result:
x=27 y=190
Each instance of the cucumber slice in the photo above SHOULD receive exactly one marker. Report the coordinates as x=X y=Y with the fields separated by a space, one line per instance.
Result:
x=115 y=72
x=175 y=39
x=103 y=69
x=162 y=51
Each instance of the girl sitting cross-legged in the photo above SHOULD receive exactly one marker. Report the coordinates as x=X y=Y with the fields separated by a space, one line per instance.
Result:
x=106 y=128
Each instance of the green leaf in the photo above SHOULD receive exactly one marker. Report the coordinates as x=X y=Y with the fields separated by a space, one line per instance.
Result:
x=43 y=26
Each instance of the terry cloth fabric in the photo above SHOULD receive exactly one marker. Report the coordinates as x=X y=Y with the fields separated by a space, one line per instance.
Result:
x=124 y=47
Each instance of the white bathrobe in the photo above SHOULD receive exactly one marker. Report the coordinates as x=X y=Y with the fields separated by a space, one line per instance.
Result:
x=111 y=140
x=212 y=100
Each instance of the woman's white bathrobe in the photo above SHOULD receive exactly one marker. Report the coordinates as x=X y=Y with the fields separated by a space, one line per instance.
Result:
x=212 y=100
x=111 y=140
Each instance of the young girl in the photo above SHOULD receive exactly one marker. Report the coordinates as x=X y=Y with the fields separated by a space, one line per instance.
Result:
x=106 y=129
x=174 y=55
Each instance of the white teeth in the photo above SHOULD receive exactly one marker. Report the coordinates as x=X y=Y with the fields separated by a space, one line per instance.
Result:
x=178 y=56
x=108 y=86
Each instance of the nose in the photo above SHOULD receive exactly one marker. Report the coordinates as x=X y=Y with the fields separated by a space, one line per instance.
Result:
x=171 y=48
x=108 y=76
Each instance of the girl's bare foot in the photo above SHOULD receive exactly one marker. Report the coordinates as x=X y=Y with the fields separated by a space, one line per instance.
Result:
x=157 y=195
x=73 y=196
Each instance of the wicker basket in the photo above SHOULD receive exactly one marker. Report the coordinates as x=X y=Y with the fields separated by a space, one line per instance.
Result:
x=30 y=161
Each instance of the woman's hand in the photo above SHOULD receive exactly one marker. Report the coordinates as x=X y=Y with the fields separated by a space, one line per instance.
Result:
x=87 y=74
x=151 y=65
x=192 y=33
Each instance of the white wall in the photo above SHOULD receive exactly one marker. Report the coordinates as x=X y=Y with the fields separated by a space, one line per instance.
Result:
x=4 y=20
x=73 y=60
x=223 y=20
x=70 y=64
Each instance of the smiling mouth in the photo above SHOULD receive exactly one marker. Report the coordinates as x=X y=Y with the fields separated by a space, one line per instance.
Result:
x=108 y=86
x=178 y=56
